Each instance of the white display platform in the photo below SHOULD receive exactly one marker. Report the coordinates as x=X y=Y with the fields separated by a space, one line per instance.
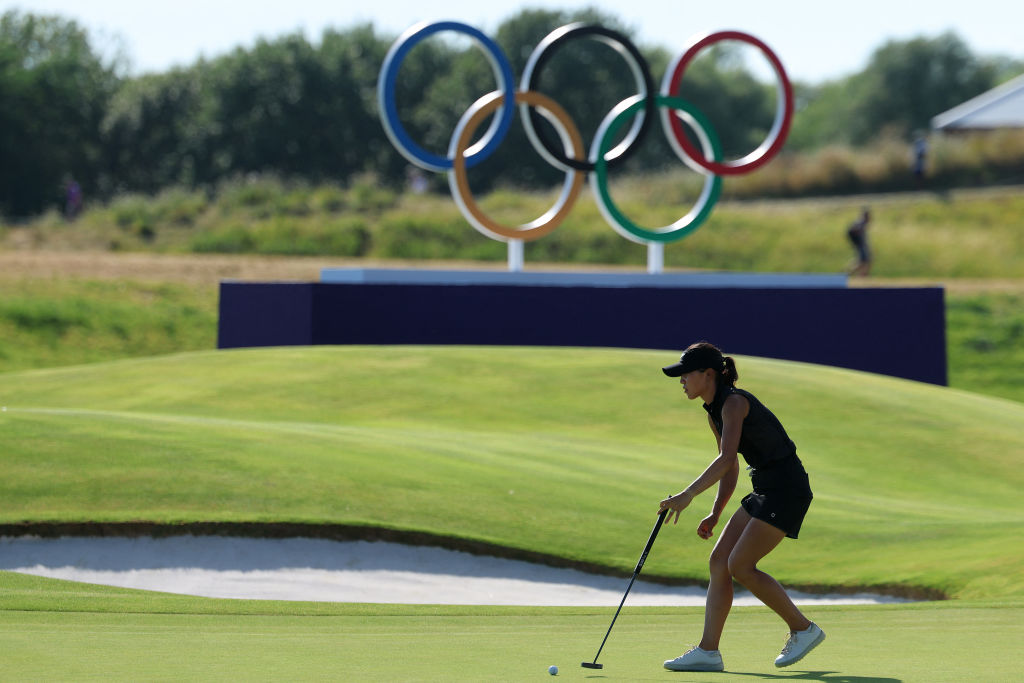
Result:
x=704 y=280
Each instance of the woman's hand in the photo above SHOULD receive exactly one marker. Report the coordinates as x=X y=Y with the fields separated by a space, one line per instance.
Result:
x=675 y=504
x=706 y=526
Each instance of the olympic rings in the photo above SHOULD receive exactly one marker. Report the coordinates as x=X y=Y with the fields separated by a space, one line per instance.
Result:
x=389 y=111
x=637 y=65
x=570 y=155
x=783 y=109
x=571 y=139
x=599 y=178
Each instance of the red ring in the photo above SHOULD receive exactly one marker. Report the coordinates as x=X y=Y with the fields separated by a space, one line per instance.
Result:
x=755 y=159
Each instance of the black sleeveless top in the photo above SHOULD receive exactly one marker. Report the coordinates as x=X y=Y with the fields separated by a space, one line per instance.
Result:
x=763 y=440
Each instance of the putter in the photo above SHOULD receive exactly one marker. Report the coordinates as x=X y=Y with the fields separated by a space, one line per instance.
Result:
x=636 y=572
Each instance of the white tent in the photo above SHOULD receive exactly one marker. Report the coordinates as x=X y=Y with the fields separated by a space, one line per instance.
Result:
x=1000 y=107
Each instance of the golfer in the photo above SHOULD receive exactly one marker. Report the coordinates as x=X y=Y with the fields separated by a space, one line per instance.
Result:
x=776 y=508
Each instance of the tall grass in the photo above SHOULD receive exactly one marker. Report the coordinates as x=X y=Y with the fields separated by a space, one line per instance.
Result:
x=941 y=233
x=964 y=234
x=985 y=337
x=45 y=323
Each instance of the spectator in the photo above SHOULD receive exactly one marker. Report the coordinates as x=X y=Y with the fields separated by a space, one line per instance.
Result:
x=72 y=198
x=920 y=157
x=858 y=234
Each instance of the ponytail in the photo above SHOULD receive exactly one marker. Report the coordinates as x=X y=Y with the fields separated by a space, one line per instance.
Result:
x=705 y=356
x=728 y=374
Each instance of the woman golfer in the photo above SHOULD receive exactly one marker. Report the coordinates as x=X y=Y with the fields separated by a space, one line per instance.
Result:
x=776 y=508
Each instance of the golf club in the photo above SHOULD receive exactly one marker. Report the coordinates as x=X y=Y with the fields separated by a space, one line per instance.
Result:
x=636 y=572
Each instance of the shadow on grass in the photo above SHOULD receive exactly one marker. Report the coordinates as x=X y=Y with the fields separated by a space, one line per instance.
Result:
x=827 y=676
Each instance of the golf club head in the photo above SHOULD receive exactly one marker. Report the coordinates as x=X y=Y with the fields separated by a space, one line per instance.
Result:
x=591 y=665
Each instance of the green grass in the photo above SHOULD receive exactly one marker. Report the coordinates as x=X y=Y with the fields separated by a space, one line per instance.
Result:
x=46 y=322
x=564 y=451
x=985 y=338
x=54 y=630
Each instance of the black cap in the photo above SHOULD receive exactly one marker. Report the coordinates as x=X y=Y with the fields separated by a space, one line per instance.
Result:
x=697 y=358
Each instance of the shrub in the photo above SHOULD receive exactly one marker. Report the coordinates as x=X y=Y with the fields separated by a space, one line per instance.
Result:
x=328 y=199
x=367 y=195
x=257 y=193
x=432 y=237
x=347 y=237
x=180 y=207
x=231 y=239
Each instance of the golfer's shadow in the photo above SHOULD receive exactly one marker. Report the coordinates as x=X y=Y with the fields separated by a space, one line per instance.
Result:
x=825 y=676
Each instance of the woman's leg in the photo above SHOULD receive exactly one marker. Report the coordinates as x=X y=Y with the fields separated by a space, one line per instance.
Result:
x=757 y=540
x=719 y=600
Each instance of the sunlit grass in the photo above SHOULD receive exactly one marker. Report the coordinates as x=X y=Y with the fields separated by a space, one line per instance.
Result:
x=563 y=452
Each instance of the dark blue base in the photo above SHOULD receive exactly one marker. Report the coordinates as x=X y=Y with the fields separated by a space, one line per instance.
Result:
x=898 y=332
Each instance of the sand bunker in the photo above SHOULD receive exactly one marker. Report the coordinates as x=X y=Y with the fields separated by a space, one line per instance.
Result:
x=332 y=571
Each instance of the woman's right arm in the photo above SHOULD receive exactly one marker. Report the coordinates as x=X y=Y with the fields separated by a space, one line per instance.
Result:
x=719 y=469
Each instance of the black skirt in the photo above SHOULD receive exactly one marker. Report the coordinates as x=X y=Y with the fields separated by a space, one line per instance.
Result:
x=782 y=495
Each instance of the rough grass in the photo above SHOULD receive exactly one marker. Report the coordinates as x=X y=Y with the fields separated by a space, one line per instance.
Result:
x=60 y=321
x=961 y=233
x=985 y=337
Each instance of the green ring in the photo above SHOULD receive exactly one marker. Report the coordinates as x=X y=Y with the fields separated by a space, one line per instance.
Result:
x=600 y=173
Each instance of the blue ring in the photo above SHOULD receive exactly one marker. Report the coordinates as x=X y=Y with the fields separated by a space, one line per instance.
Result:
x=389 y=111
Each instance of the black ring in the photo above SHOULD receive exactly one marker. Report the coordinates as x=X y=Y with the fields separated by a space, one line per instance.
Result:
x=547 y=47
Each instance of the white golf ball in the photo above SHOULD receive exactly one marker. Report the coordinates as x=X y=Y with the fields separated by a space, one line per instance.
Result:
x=552 y=669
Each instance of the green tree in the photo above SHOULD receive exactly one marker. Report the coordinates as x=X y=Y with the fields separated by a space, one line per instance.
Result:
x=351 y=60
x=153 y=135
x=909 y=82
x=904 y=85
x=55 y=89
x=266 y=105
x=284 y=107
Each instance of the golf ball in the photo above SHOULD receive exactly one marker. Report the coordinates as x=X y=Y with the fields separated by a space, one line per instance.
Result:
x=552 y=669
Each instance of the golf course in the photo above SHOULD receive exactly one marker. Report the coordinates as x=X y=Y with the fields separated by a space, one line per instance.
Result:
x=158 y=426
x=120 y=418
x=553 y=454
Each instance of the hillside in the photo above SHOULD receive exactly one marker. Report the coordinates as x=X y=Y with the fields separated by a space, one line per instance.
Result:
x=561 y=452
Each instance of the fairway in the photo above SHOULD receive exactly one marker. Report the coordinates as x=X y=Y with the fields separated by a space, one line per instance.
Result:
x=560 y=456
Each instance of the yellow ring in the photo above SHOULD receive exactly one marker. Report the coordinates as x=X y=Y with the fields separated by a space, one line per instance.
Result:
x=459 y=183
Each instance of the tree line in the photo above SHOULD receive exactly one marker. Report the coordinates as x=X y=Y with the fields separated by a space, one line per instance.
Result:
x=307 y=111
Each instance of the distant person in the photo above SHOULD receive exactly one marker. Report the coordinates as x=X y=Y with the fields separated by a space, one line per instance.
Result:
x=418 y=182
x=773 y=511
x=920 y=158
x=858 y=235
x=72 y=198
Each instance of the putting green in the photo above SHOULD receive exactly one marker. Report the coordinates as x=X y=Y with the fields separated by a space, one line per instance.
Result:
x=54 y=630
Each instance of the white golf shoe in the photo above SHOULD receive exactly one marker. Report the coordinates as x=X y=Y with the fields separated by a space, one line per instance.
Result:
x=799 y=644
x=697 y=659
